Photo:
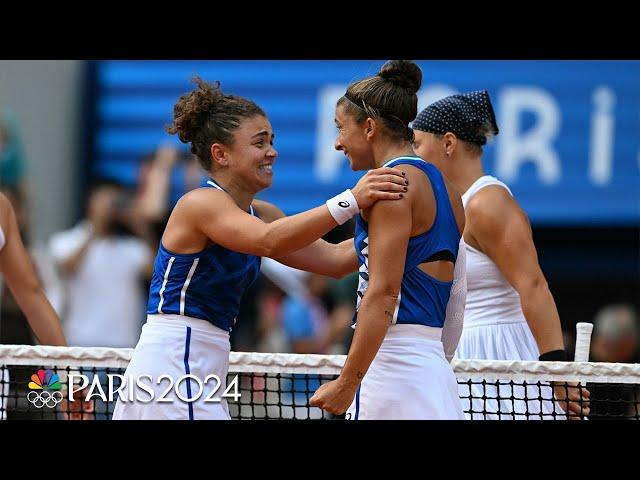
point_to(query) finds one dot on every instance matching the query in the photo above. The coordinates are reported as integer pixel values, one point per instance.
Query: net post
(583, 346)
(583, 341)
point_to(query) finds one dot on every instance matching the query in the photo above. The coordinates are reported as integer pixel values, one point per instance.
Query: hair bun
(404, 73)
(192, 110)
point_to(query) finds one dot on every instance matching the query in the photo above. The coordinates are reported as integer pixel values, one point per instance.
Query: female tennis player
(411, 292)
(211, 248)
(510, 313)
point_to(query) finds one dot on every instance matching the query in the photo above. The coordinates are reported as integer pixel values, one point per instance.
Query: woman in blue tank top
(210, 253)
(411, 292)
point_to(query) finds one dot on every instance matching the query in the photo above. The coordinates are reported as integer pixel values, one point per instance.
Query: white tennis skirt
(504, 341)
(175, 346)
(409, 379)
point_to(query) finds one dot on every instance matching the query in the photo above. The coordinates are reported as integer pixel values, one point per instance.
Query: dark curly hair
(206, 116)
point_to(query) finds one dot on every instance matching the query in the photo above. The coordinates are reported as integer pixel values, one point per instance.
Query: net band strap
(488, 370)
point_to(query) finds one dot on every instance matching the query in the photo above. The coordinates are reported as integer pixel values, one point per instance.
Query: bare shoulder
(412, 172)
(392, 212)
(267, 212)
(203, 200)
(418, 183)
(492, 207)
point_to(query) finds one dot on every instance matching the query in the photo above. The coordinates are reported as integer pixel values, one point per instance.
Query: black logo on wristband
(344, 204)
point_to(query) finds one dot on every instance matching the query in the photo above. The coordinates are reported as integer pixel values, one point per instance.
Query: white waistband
(173, 320)
(413, 331)
(490, 322)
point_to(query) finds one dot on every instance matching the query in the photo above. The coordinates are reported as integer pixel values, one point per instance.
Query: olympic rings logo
(40, 399)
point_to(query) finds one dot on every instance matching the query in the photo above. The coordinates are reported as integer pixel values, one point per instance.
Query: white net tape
(288, 363)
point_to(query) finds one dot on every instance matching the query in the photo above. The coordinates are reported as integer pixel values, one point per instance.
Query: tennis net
(34, 384)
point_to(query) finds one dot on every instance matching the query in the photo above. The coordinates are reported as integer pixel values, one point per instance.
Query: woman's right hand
(573, 399)
(380, 184)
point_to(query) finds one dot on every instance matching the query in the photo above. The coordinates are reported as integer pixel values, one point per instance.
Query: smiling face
(251, 156)
(352, 140)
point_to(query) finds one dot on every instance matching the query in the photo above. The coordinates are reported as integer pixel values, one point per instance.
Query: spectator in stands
(104, 265)
(342, 307)
(615, 339)
(269, 332)
(164, 176)
(309, 326)
(615, 334)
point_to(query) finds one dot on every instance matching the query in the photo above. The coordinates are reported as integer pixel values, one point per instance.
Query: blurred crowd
(96, 272)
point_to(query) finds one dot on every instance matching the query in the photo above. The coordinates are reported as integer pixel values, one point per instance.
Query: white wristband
(343, 206)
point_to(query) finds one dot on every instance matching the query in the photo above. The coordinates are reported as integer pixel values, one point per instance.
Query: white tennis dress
(495, 328)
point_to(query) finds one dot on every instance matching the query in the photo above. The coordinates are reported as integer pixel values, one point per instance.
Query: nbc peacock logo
(45, 389)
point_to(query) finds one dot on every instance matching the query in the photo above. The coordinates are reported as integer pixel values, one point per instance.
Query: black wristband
(554, 356)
